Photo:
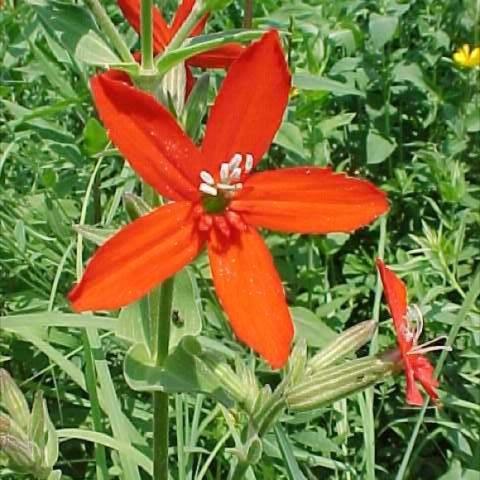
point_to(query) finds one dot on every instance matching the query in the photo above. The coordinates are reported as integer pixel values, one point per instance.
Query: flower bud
(21, 453)
(37, 427)
(338, 382)
(347, 342)
(10, 427)
(13, 399)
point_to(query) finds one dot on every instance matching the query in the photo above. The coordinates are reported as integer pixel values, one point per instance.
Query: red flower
(408, 323)
(163, 33)
(217, 200)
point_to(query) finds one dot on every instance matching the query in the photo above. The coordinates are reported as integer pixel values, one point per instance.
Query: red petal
(139, 257)
(149, 138)
(251, 293)
(161, 31)
(221, 57)
(396, 296)
(181, 15)
(414, 397)
(309, 200)
(250, 104)
(425, 374)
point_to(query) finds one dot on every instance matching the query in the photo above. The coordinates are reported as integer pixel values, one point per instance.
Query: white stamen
(207, 178)
(236, 174)
(224, 172)
(248, 162)
(230, 174)
(208, 189)
(225, 186)
(430, 347)
(414, 316)
(235, 162)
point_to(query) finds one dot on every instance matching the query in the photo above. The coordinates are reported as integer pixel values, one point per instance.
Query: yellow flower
(466, 58)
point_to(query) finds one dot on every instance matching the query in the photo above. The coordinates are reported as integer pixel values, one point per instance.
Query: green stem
(110, 30)
(91, 383)
(186, 28)
(90, 375)
(146, 38)
(467, 305)
(161, 334)
(368, 416)
(240, 471)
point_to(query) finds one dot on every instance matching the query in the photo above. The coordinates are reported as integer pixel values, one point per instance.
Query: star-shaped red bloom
(217, 199)
(163, 33)
(408, 325)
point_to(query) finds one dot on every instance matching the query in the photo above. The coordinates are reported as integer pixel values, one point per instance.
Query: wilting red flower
(217, 199)
(408, 323)
(163, 33)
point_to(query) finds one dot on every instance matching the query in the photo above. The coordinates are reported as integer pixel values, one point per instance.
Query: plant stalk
(146, 39)
(109, 29)
(186, 28)
(161, 333)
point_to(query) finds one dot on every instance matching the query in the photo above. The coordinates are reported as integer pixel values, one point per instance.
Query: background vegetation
(377, 95)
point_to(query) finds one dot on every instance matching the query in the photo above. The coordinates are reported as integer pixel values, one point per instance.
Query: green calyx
(215, 204)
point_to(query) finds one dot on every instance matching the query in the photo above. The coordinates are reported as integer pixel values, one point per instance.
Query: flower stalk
(196, 14)
(160, 321)
(110, 31)
(146, 37)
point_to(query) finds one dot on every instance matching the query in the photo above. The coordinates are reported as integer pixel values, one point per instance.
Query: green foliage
(376, 94)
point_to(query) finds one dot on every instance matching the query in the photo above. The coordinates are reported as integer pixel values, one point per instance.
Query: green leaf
(290, 137)
(123, 448)
(382, 29)
(181, 372)
(57, 319)
(92, 50)
(196, 107)
(54, 74)
(306, 81)
(329, 125)
(378, 147)
(204, 43)
(187, 316)
(286, 450)
(311, 328)
(95, 137)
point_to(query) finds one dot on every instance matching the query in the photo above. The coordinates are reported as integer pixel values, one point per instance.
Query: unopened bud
(347, 342)
(37, 428)
(10, 427)
(13, 399)
(297, 363)
(338, 382)
(21, 453)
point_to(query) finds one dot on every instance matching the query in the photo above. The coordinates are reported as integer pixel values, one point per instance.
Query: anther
(208, 189)
(248, 162)
(224, 172)
(207, 178)
(235, 161)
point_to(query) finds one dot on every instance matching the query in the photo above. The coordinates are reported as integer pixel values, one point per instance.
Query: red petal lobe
(250, 104)
(251, 293)
(149, 138)
(309, 200)
(136, 259)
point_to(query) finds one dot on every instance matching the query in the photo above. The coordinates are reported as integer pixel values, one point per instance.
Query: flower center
(217, 193)
(413, 330)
